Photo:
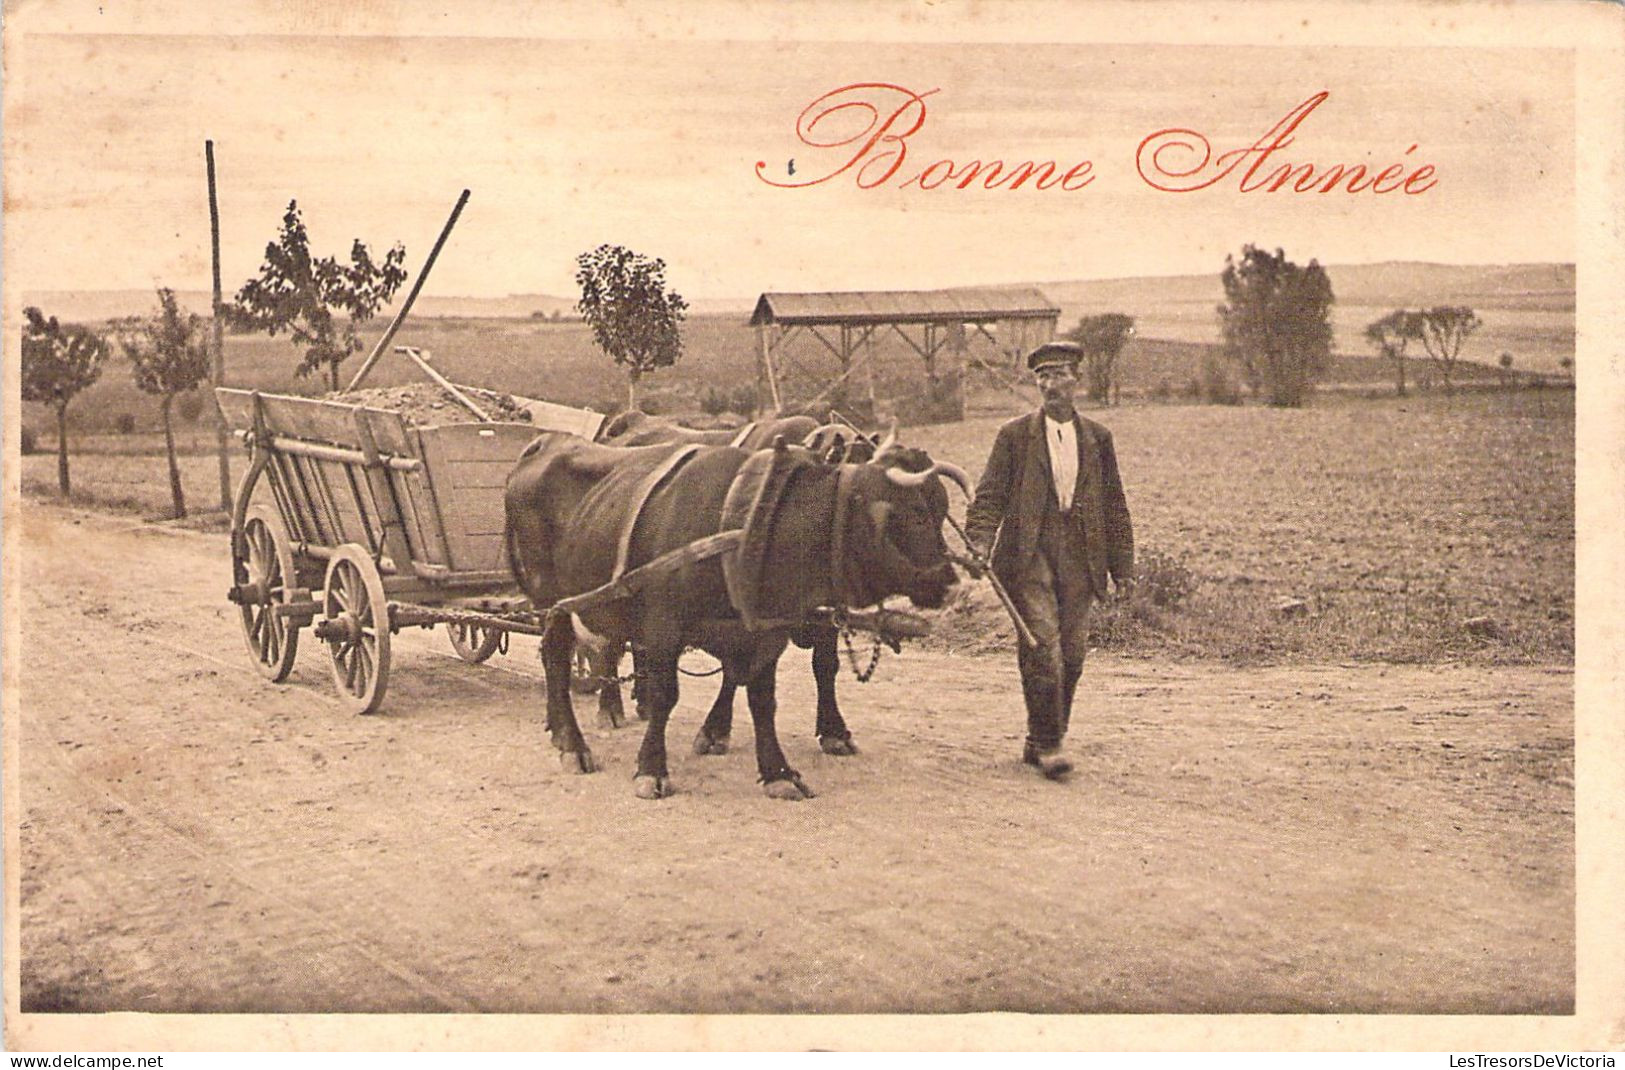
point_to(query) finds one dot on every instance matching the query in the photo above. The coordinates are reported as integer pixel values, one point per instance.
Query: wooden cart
(372, 525)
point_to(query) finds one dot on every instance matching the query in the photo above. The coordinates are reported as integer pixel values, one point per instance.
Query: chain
(634, 675)
(863, 675)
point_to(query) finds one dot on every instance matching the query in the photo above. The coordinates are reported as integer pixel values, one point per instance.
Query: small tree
(301, 295)
(169, 354)
(1442, 330)
(1506, 369)
(59, 360)
(1277, 325)
(634, 318)
(1390, 335)
(1102, 338)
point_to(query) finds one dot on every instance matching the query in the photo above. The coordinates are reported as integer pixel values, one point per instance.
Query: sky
(653, 144)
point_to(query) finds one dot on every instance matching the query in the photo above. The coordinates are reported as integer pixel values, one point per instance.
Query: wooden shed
(939, 326)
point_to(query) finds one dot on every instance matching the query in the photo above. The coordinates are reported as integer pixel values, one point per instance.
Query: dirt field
(1333, 838)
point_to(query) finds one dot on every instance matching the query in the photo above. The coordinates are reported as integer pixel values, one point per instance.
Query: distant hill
(1527, 309)
(1547, 287)
(98, 305)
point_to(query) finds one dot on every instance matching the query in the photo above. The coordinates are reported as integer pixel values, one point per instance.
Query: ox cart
(366, 524)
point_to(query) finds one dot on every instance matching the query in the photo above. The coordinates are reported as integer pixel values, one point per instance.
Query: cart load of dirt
(428, 405)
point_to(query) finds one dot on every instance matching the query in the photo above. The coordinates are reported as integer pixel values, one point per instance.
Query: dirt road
(1289, 839)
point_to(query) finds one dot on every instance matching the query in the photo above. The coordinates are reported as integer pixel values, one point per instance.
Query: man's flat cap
(1055, 353)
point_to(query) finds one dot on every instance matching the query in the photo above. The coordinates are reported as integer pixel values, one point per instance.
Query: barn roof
(903, 306)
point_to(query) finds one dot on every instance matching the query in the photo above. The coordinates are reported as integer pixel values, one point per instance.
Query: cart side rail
(341, 474)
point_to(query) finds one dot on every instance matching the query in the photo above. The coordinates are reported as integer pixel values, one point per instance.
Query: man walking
(1050, 505)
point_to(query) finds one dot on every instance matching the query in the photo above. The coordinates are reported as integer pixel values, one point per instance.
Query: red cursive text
(865, 128)
(1182, 161)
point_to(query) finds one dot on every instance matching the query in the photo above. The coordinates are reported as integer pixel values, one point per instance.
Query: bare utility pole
(219, 332)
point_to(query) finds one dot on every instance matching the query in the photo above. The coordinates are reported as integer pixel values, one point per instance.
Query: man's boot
(1043, 725)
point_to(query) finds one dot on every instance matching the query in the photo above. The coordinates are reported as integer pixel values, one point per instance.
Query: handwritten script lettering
(864, 131)
(1182, 161)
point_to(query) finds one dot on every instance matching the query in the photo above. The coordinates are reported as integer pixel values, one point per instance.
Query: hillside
(1527, 310)
(97, 305)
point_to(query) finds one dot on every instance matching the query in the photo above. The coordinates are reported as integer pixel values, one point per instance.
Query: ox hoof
(705, 744)
(577, 761)
(840, 746)
(652, 787)
(792, 790)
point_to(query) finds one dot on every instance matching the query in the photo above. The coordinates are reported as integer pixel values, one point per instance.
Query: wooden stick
(400, 317)
(444, 383)
(217, 340)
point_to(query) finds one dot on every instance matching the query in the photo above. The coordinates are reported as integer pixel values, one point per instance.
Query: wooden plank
(422, 527)
(385, 512)
(546, 416)
(480, 473)
(305, 484)
(236, 407)
(316, 420)
(342, 515)
(481, 552)
(390, 433)
(477, 511)
(478, 442)
(312, 421)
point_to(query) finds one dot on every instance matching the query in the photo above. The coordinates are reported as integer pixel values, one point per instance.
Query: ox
(581, 514)
(832, 443)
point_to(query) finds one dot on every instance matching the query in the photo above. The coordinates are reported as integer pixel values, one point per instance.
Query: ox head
(894, 542)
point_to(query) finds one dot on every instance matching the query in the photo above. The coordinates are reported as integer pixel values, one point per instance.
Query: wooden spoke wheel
(474, 642)
(355, 626)
(263, 568)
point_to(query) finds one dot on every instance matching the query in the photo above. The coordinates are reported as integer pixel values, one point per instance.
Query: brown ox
(832, 443)
(836, 535)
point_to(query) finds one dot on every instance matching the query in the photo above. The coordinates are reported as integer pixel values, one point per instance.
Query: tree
(59, 360)
(634, 318)
(301, 295)
(1442, 330)
(169, 354)
(1277, 324)
(1390, 335)
(1101, 338)
(1506, 369)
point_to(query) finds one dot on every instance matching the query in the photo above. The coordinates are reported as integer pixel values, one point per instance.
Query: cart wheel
(356, 627)
(262, 561)
(473, 642)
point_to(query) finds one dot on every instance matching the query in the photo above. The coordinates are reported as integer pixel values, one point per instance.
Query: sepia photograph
(725, 527)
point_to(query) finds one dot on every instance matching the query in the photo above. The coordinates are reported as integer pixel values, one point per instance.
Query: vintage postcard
(885, 525)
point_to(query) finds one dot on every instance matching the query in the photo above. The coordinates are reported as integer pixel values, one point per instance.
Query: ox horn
(914, 479)
(812, 436)
(890, 440)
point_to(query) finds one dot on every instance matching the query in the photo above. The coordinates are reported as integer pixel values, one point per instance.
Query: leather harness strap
(640, 498)
(838, 535)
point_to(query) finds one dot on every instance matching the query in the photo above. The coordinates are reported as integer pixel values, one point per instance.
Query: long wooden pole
(219, 331)
(406, 306)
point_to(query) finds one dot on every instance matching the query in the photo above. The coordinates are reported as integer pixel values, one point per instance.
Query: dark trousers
(1053, 595)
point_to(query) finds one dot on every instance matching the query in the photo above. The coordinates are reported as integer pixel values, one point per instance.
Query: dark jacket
(1017, 487)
